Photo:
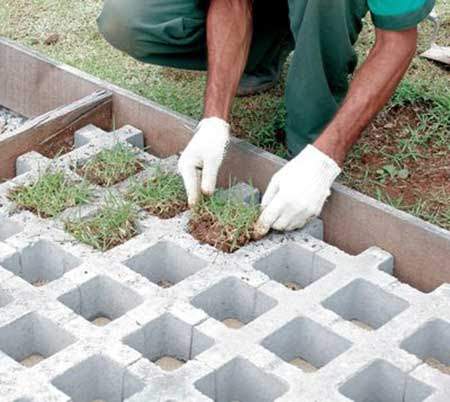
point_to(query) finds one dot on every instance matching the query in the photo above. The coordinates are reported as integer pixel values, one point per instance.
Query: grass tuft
(111, 166)
(51, 194)
(163, 195)
(226, 223)
(113, 225)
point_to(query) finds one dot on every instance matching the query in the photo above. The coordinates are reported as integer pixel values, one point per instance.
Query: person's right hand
(200, 161)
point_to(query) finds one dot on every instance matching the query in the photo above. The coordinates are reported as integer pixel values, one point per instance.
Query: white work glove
(205, 151)
(297, 192)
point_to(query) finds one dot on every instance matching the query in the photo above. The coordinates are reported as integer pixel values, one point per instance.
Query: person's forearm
(369, 91)
(229, 33)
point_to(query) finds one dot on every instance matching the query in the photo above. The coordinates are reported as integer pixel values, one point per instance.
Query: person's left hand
(297, 192)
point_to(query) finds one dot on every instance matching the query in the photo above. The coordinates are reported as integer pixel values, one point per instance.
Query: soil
(168, 363)
(428, 173)
(233, 323)
(303, 365)
(32, 360)
(164, 284)
(52, 39)
(438, 365)
(101, 321)
(166, 210)
(90, 174)
(57, 147)
(39, 283)
(206, 229)
(293, 286)
(361, 325)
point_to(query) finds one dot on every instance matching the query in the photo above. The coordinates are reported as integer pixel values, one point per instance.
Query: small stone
(52, 39)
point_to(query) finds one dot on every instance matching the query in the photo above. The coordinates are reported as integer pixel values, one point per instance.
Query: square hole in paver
(8, 228)
(101, 300)
(169, 342)
(233, 302)
(41, 262)
(365, 304)
(98, 379)
(383, 382)
(306, 344)
(33, 338)
(240, 380)
(165, 264)
(431, 343)
(293, 267)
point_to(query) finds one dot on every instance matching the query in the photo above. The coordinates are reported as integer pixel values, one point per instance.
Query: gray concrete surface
(287, 318)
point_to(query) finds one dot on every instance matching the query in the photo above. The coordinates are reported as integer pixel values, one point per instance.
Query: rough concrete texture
(9, 121)
(162, 318)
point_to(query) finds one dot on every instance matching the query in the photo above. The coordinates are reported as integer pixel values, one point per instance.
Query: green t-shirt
(398, 15)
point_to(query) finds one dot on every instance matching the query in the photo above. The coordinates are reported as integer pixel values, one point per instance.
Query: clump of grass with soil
(50, 194)
(162, 195)
(224, 222)
(111, 166)
(113, 225)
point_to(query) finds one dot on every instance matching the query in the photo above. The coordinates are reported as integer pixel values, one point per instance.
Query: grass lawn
(403, 159)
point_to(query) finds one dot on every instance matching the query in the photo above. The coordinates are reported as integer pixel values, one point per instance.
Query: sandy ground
(362, 325)
(233, 323)
(101, 321)
(169, 363)
(303, 365)
(438, 365)
(32, 360)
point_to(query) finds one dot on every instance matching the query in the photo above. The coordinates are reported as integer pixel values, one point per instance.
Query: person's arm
(298, 191)
(370, 90)
(229, 31)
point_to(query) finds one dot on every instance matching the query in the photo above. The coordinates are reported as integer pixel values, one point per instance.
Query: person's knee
(116, 24)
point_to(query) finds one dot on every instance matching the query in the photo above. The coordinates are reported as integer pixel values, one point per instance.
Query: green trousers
(321, 33)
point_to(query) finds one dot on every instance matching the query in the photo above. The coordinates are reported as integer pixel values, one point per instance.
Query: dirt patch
(32, 360)
(58, 147)
(206, 228)
(101, 321)
(438, 365)
(164, 284)
(233, 323)
(168, 363)
(303, 365)
(403, 159)
(361, 325)
(95, 173)
(294, 286)
(40, 283)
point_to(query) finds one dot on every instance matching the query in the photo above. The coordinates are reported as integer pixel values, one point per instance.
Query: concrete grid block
(163, 318)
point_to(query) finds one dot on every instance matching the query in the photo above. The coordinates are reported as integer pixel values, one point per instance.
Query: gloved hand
(205, 151)
(297, 192)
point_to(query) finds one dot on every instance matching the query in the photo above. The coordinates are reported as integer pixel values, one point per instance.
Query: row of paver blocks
(288, 318)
